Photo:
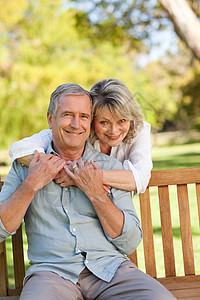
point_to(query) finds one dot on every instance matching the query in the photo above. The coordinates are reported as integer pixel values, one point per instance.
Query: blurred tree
(140, 19)
(40, 48)
(186, 23)
(43, 44)
(144, 24)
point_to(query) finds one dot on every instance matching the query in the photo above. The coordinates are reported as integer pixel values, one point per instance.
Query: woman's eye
(103, 122)
(122, 121)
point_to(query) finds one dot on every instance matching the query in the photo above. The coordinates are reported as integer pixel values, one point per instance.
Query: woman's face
(110, 130)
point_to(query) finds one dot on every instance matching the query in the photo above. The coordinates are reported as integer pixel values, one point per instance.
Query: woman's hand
(63, 179)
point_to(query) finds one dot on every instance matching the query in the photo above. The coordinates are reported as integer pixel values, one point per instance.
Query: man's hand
(86, 176)
(26, 160)
(63, 179)
(43, 171)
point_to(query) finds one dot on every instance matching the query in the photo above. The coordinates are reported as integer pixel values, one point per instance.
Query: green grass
(164, 157)
(176, 156)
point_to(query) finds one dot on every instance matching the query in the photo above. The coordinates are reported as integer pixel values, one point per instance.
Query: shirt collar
(87, 154)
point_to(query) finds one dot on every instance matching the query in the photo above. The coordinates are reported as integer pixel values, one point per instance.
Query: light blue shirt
(63, 231)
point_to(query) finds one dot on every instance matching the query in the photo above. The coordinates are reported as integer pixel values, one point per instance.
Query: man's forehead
(75, 102)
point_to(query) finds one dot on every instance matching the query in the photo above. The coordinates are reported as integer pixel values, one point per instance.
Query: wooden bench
(183, 287)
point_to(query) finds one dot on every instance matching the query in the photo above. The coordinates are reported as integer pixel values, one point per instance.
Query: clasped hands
(81, 174)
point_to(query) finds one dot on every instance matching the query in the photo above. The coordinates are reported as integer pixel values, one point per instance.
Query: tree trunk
(186, 23)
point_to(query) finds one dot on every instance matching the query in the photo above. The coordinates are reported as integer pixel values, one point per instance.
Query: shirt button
(78, 251)
(86, 261)
(74, 229)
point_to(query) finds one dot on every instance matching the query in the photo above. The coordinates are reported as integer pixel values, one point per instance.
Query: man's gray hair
(65, 89)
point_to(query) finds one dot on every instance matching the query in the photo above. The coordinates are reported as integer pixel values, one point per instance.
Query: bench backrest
(161, 179)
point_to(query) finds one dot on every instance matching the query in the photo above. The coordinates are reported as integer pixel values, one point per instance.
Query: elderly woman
(117, 130)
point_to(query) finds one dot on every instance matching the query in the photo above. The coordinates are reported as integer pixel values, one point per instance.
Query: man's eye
(85, 116)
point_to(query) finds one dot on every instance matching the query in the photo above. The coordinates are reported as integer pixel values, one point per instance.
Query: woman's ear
(49, 119)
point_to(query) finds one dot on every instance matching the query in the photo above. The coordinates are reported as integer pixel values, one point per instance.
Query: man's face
(71, 124)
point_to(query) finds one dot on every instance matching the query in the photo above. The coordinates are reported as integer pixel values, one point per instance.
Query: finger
(96, 167)
(87, 163)
(59, 165)
(74, 166)
(36, 156)
(47, 157)
(69, 173)
(106, 188)
(80, 163)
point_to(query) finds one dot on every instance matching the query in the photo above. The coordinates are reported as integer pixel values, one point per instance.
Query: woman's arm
(137, 165)
(26, 160)
(120, 179)
(27, 146)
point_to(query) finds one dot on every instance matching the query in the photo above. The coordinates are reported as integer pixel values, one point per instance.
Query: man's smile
(73, 133)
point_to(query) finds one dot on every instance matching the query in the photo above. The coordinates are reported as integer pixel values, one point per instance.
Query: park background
(152, 46)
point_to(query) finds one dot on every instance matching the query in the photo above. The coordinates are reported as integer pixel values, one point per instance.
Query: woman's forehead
(107, 111)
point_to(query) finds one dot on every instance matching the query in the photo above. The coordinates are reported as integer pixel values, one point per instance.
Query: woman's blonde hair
(114, 95)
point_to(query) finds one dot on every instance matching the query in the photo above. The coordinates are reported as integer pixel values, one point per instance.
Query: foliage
(40, 49)
(44, 43)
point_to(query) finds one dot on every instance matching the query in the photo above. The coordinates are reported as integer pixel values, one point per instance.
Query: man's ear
(49, 119)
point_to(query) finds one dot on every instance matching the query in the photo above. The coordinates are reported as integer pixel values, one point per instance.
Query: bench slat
(166, 227)
(149, 252)
(18, 257)
(175, 176)
(3, 270)
(198, 199)
(186, 232)
(133, 257)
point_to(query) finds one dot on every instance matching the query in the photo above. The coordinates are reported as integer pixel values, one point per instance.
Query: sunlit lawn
(165, 157)
(176, 156)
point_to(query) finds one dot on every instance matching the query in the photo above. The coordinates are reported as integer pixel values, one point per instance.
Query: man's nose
(75, 122)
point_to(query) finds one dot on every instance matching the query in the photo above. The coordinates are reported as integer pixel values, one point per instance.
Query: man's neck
(69, 154)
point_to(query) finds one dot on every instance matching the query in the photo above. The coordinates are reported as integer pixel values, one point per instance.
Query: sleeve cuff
(122, 242)
(4, 234)
(24, 153)
(127, 165)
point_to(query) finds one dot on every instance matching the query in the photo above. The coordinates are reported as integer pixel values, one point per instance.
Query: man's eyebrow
(67, 111)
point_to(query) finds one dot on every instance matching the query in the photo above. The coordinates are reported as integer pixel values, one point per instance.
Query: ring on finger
(75, 166)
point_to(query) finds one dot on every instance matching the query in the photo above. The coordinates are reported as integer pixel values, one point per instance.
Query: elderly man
(77, 235)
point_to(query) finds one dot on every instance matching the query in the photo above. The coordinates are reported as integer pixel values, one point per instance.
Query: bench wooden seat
(183, 287)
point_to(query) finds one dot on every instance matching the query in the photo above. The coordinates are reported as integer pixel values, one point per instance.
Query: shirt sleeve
(11, 183)
(131, 235)
(140, 162)
(38, 141)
